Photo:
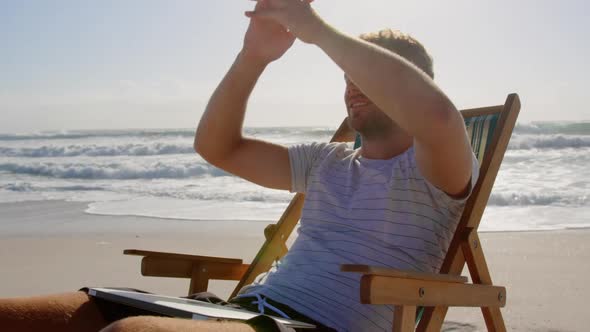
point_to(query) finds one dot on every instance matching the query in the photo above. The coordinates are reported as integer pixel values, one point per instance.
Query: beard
(376, 125)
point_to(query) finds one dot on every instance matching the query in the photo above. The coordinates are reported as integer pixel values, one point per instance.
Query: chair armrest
(137, 252)
(172, 265)
(402, 288)
(387, 272)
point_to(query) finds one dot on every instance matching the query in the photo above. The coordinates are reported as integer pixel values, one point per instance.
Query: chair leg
(199, 280)
(480, 274)
(404, 318)
(493, 319)
(432, 319)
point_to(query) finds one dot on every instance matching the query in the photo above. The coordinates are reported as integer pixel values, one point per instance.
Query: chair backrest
(489, 129)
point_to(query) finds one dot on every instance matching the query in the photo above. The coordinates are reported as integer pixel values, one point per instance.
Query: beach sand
(53, 246)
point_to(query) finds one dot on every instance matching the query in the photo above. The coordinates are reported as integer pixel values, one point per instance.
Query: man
(394, 202)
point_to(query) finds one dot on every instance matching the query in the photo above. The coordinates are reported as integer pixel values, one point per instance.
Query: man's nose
(352, 90)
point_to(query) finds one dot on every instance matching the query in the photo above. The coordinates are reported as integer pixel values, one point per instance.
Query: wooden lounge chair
(490, 129)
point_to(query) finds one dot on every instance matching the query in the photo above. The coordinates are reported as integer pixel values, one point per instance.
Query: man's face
(364, 116)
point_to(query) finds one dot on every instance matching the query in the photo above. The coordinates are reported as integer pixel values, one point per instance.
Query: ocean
(543, 184)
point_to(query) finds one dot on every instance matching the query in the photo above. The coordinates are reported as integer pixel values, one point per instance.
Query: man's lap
(74, 311)
(78, 311)
(113, 312)
(164, 324)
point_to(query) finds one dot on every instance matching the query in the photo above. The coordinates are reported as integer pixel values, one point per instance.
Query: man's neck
(386, 147)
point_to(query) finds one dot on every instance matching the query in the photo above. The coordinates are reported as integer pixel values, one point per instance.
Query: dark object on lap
(113, 311)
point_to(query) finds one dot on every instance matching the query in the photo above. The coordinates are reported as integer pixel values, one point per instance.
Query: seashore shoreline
(54, 246)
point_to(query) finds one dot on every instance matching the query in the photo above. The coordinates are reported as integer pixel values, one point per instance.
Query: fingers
(267, 5)
(260, 5)
(262, 13)
(273, 9)
(261, 1)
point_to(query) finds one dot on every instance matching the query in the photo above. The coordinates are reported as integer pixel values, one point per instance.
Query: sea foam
(114, 171)
(156, 173)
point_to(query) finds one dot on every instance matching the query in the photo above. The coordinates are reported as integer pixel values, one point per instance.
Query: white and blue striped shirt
(358, 211)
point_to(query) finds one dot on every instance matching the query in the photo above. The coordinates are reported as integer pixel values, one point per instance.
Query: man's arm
(413, 101)
(397, 87)
(219, 137)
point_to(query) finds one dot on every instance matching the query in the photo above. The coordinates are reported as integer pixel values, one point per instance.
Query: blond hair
(403, 45)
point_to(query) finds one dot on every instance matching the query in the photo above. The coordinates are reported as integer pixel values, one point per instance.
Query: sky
(112, 64)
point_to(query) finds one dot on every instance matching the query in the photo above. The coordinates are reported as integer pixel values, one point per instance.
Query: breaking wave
(28, 187)
(518, 142)
(98, 151)
(83, 134)
(536, 200)
(260, 196)
(118, 171)
(310, 132)
(527, 142)
(567, 128)
(184, 193)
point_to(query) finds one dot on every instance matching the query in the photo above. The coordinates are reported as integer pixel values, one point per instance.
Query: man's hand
(265, 40)
(296, 16)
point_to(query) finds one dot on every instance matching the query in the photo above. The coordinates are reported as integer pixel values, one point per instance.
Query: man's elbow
(206, 151)
(446, 117)
(216, 153)
(199, 144)
(445, 124)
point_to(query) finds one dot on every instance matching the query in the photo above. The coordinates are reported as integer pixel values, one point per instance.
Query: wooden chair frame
(405, 290)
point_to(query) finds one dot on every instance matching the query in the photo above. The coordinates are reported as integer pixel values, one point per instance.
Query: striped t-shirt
(358, 211)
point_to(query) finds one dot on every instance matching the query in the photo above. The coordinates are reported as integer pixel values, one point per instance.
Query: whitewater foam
(543, 183)
(560, 141)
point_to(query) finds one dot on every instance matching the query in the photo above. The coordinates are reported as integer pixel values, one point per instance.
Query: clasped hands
(296, 16)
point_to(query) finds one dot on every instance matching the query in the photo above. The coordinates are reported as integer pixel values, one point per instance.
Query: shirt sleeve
(302, 158)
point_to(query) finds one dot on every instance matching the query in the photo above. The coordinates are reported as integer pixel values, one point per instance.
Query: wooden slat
(493, 318)
(493, 159)
(432, 319)
(387, 272)
(272, 249)
(178, 268)
(222, 271)
(397, 291)
(473, 252)
(137, 252)
(480, 274)
(165, 267)
(473, 112)
(269, 232)
(404, 318)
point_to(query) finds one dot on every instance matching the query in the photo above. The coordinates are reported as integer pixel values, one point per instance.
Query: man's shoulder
(322, 151)
(335, 152)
